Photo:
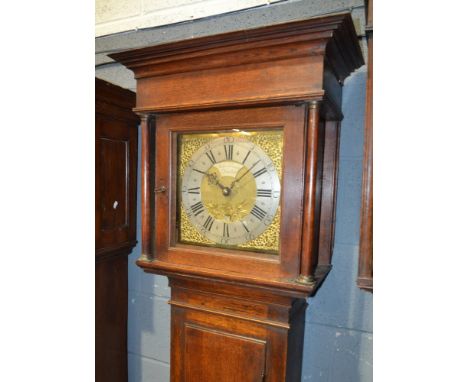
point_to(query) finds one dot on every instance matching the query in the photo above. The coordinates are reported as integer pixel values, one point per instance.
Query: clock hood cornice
(308, 48)
(334, 30)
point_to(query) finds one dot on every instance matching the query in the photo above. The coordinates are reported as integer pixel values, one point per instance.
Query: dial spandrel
(230, 190)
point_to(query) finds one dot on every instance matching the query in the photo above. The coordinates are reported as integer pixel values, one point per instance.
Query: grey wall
(338, 338)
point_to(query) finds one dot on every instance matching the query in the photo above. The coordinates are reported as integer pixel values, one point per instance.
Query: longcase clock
(240, 137)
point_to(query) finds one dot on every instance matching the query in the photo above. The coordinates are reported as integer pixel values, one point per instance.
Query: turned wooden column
(147, 136)
(311, 197)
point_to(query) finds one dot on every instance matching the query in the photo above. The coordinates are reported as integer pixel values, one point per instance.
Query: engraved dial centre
(225, 195)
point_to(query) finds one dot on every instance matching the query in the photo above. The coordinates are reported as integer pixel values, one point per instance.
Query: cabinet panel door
(113, 180)
(244, 357)
(116, 142)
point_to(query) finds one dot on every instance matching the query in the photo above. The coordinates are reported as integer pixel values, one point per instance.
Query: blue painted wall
(338, 337)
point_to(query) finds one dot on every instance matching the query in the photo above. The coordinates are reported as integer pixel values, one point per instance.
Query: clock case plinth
(293, 74)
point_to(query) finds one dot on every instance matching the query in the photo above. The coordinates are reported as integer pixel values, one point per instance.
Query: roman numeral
(211, 157)
(258, 212)
(243, 162)
(228, 150)
(194, 190)
(245, 227)
(226, 230)
(197, 208)
(260, 172)
(262, 193)
(208, 223)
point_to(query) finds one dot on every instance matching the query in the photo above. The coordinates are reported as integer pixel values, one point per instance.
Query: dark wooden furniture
(365, 271)
(115, 217)
(240, 315)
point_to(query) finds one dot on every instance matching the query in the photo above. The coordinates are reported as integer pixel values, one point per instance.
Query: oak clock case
(240, 138)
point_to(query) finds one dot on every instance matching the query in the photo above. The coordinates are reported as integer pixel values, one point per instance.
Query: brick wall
(113, 16)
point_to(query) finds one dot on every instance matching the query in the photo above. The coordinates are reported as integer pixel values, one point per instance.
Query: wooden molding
(286, 287)
(164, 58)
(205, 69)
(119, 249)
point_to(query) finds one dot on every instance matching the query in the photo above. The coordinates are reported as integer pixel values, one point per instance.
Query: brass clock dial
(230, 190)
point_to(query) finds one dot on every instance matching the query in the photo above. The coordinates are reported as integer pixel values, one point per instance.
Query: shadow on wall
(338, 334)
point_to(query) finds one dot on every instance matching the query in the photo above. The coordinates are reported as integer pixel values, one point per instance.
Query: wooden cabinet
(241, 218)
(115, 218)
(115, 168)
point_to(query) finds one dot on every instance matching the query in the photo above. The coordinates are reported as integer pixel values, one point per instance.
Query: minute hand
(245, 173)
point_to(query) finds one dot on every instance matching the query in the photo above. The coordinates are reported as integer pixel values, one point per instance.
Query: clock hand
(213, 177)
(245, 173)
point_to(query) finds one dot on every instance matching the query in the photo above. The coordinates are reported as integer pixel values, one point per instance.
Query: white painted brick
(187, 10)
(157, 5)
(110, 10)
(215, 7)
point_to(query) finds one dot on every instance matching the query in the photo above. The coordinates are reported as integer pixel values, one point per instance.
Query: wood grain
(311, 196)
(146, 191)
(329, 191)
(281, 62)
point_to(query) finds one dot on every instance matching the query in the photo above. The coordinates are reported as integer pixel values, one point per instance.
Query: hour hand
(214, 179)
